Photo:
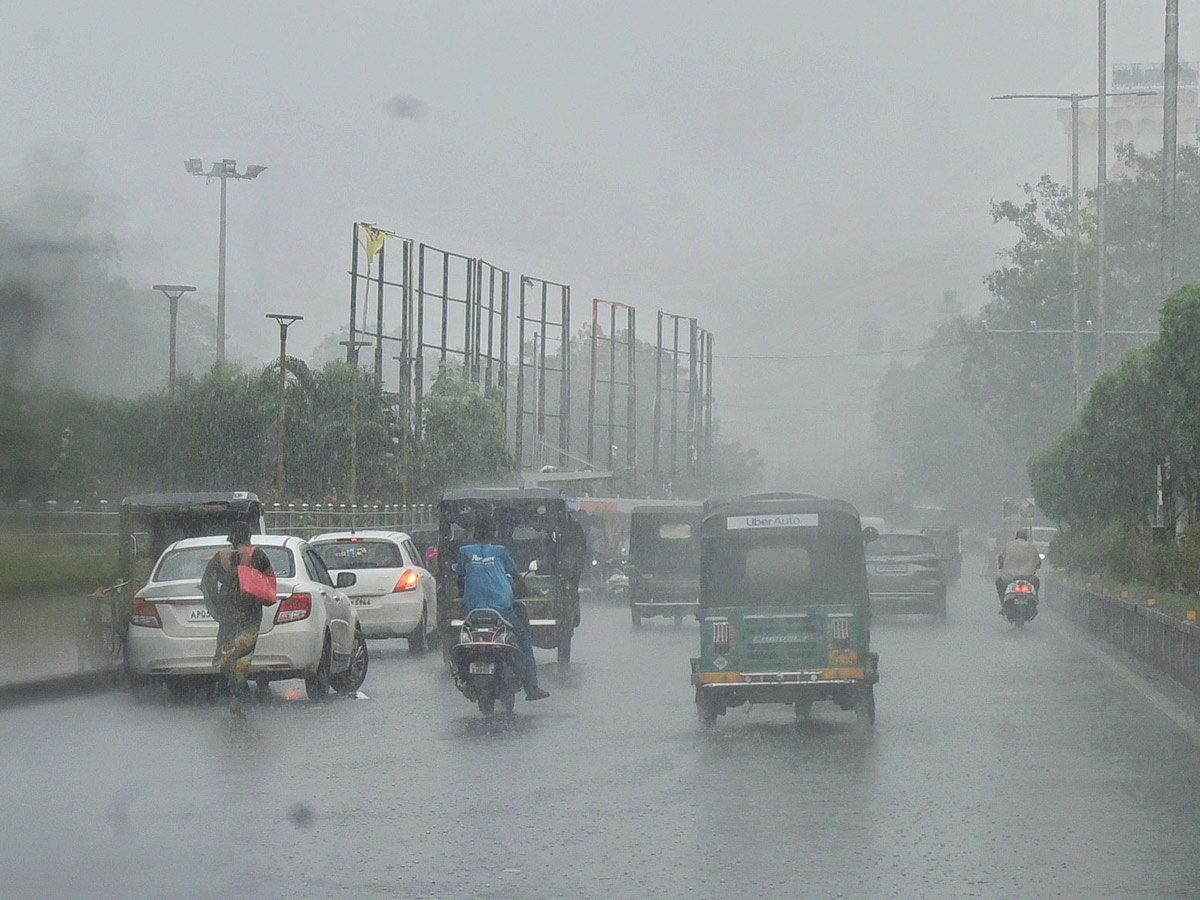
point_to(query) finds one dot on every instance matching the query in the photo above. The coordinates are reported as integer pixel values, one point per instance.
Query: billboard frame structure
(560, 294)
(629, 343)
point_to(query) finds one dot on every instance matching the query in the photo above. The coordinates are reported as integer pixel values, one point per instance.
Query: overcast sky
(779, 170)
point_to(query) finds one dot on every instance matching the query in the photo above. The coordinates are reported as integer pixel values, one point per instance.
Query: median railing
(1169, 644)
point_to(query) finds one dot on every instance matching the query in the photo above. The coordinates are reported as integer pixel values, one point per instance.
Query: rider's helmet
(1023, 534)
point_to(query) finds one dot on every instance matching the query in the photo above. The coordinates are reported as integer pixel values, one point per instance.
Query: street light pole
(284, 321)
(1074, 100)
(224, 170)
(173, 292)
(1101, 187)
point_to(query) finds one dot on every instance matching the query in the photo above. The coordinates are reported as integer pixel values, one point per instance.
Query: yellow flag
(372, 240)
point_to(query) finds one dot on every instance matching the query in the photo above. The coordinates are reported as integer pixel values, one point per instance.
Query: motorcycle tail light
(294, 609)
(408, 581)
(144, 614)
(1022, 588)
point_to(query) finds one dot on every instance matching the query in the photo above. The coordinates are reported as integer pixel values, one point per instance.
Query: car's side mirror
(870, 533)
(533, 566)
(346, 579)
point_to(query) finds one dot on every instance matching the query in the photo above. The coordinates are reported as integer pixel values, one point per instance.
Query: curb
(18, 694)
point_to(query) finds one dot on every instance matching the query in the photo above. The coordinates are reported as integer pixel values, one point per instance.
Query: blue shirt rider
(483, 569)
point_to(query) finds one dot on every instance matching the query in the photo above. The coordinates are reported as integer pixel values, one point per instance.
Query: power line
(920, 349)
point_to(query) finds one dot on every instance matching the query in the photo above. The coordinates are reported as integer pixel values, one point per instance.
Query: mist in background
(787, 173)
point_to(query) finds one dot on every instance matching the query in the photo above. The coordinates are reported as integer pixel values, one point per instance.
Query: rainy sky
(779, 170)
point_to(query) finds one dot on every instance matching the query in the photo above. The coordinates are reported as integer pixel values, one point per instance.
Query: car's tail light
(294, 608)
(722, 637)
(144, 614)
(408, 581)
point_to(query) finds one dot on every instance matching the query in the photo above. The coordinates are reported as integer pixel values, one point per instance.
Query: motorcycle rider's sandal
(536, 694)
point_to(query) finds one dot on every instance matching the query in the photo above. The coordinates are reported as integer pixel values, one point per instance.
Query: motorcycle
(1020, 602)
(487, 663)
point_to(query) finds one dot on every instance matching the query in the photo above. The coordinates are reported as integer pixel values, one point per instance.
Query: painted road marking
(1139, 683)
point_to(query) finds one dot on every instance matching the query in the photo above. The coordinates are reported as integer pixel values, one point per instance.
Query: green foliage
(464, 440)
(1125, 555)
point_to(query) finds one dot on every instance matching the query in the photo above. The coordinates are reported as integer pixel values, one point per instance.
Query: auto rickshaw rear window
(675, 531)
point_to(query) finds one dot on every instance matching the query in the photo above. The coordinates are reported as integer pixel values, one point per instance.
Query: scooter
(1020, 602)
(486, 662)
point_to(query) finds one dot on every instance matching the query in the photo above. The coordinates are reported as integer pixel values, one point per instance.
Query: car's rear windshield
(783, 571)
(361, 554)
(901, 545)
(187, 564)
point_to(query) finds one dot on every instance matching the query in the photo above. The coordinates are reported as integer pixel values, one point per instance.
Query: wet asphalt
(1001, 765)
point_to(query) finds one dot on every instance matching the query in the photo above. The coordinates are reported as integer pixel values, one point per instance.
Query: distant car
(394, 594)
(905, 575)
(312, 633)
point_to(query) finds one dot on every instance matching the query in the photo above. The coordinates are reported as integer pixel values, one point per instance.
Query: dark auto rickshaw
(784, 611)
(148, 523)
(664, 553)
(535, 525)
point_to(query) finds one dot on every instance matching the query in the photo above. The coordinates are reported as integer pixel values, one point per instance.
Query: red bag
(256, 586)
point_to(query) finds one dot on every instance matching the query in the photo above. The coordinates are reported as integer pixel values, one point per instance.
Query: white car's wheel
(356, 673)
(316, 685)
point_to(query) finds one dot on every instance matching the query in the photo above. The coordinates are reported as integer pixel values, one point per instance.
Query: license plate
(199, 615)
(360, 601)
(892, 569)
(482, 668)
(1021, 600)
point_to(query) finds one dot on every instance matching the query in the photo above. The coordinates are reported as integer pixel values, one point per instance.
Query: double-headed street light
(224, 170)
(1074, 100)
(173, 292)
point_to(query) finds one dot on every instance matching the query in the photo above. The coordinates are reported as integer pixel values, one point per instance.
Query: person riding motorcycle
(483, 570)
(1019, 559)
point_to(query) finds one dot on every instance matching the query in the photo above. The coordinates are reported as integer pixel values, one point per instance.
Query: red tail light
(294, 608)
(144, 614)
(1022, 588)
(408, 581)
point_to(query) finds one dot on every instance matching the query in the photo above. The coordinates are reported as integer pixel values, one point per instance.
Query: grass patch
(47, 560)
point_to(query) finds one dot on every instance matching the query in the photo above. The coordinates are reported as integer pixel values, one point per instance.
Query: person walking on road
(238, 617)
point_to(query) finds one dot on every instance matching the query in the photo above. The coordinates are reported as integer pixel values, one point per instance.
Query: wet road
(1002, 765)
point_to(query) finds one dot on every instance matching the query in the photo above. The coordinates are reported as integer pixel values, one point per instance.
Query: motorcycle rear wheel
(487, 705)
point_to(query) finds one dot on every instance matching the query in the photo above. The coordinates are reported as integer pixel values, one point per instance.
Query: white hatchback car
(394, 594)
(311, 633)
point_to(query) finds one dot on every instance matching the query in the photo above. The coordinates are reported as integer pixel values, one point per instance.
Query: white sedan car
(312, 633)
(394, 594)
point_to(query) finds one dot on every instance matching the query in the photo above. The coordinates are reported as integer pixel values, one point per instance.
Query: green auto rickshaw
(784, 611)
(664, 557)
(548, 546)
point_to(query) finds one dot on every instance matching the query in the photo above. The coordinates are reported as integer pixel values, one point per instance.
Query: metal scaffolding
(549, 339)
(687, 445)
(623, 344)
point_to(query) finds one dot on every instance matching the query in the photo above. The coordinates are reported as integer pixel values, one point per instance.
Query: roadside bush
(1130, 555)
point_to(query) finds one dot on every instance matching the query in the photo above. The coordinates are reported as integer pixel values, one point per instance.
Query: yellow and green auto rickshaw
(784, 611)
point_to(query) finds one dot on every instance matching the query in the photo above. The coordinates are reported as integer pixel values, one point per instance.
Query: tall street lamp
(284, 321)
(1074, 100)
(224, 170)
(173, 292)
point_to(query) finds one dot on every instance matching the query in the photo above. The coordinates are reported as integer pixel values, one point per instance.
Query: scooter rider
(1019, 559)
(483, 569)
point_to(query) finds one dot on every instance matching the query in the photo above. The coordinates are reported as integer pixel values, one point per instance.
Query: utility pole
(224, 170)
(352, 348)
(1170, 126)
(284, 321)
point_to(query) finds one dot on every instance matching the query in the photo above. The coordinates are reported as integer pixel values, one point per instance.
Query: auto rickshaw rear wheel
(509, 701)
(635, 616)
(707, 711)
(864, 708)
(803, 708)
(564, 651)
